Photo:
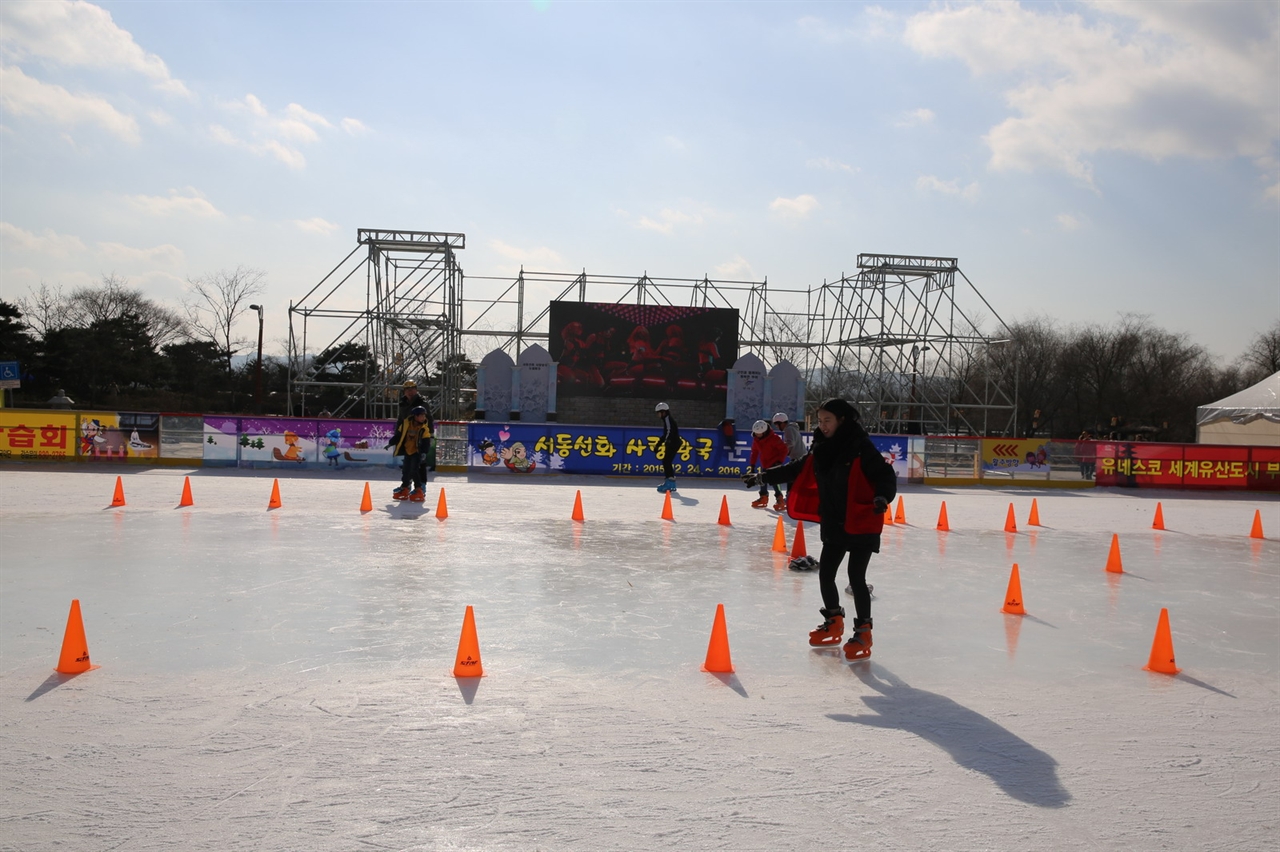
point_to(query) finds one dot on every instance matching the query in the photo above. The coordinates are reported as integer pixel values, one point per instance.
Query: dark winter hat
(416, 410)
(840, 409)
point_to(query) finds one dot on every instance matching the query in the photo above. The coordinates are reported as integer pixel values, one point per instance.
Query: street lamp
(257, 379)
(915, 427)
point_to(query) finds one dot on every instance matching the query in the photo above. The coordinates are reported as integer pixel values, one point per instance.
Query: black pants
(829, 563)
(668, 465)
(413, 468)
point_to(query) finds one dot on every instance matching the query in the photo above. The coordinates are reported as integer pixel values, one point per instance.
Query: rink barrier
(290, 443)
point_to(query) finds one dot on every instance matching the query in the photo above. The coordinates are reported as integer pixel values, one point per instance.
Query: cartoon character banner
(516, 448)
(37, 434)
(1013, 456)
(677, 352)
(296, 442)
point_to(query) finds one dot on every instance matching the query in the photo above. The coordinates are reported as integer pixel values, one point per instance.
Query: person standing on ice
(670, 444)
(411, 439)
(844, 485)
(768, 450)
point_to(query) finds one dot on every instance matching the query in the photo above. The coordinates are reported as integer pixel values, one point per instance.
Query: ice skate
(666, 485)
(760, 503)
(671, 485)
(401, 493)
(417, 495)
(859, 645)
(780, 504)
(831, 630)
(870, 589)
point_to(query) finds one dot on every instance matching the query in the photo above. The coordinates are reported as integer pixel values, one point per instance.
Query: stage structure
(902, 338)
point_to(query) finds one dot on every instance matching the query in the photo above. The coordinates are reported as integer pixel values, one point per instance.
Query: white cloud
(877, 22)
(354, 126)
(737, 269)
(794, 208)
(831, 165)
(316, 225)
(23, 95)
(192, 203)
(932, 183)
(1069, 222)
(278, 135)
(915, 118)
(14, 238)
(668, 220)
(159, 117)
(1159, 80)
(77, 34)
(169, 255)
(534, 258)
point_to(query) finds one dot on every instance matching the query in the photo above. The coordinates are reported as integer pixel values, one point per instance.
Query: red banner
(1143, 465)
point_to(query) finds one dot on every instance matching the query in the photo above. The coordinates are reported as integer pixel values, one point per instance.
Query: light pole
(914, 427)
(257, 378)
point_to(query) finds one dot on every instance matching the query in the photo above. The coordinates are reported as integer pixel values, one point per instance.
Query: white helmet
(781, 417)
(662, 406)
(759, 427)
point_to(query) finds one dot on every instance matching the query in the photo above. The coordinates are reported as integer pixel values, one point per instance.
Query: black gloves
(881, 504)
(751, 479)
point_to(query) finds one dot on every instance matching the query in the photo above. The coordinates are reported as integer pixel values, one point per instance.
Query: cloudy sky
(1081, 160)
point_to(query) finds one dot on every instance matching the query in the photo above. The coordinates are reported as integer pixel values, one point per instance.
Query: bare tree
(49, 309)
(1261, 358)
(45, 310)
(217, 300)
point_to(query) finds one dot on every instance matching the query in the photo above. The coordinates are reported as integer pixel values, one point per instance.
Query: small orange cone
(724, 513)
(942, 518)
(274, 502)
(900, 516)
(577, 507)
(366, 502)
(1162, 648)
(718, 648)
(888, 516)
(74, 658)
(1114, 565)
(779, 538)
(1013, 596)
(1010, 523)
(1033, 520)
(442, 506)
(797, 543)
(468, 663)
(666, 509)
(186, 500)
(117, 499)
(1158, 523)
(1256, 532)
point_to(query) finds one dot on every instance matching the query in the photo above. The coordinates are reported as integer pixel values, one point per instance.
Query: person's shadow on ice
(975, 742)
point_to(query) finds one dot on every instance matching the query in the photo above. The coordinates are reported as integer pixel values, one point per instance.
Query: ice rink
(282, 680)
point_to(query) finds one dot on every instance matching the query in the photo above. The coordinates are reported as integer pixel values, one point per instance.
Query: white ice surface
(282, 680)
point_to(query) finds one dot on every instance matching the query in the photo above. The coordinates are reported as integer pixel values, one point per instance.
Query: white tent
(1251, 416)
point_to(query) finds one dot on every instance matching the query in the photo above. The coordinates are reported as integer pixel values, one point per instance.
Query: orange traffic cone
(888, 516)
(366, 502)
(1013, 596)
(467, 663)
(666, 509)
(74, 658)
(797, 543)
(1114, 565)
(718, 648)
(1010, 523)
(442, 506)
(942, 518)
(724, 512)
(779, 538)
(900, 516)
(1256, 532)
(274, 502)
(1158, 523)
(577, 507)
(1033, 520)
(117, 499)
(186, 500)
(1162, 648)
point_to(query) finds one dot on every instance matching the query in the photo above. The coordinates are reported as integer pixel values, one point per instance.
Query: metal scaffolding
(902, 338)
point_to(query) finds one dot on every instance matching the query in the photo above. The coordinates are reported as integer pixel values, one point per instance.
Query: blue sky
(1081, 160)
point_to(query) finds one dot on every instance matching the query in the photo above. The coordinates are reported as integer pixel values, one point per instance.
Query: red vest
(860, 516)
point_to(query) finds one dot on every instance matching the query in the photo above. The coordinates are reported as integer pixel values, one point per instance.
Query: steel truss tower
(896, 340)
(408, 325)
(902, 338)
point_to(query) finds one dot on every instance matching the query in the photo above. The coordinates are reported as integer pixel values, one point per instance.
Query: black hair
(840, 409)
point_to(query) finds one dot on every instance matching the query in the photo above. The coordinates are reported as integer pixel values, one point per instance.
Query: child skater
(845, 485)
(769, 450)
(411, 440)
